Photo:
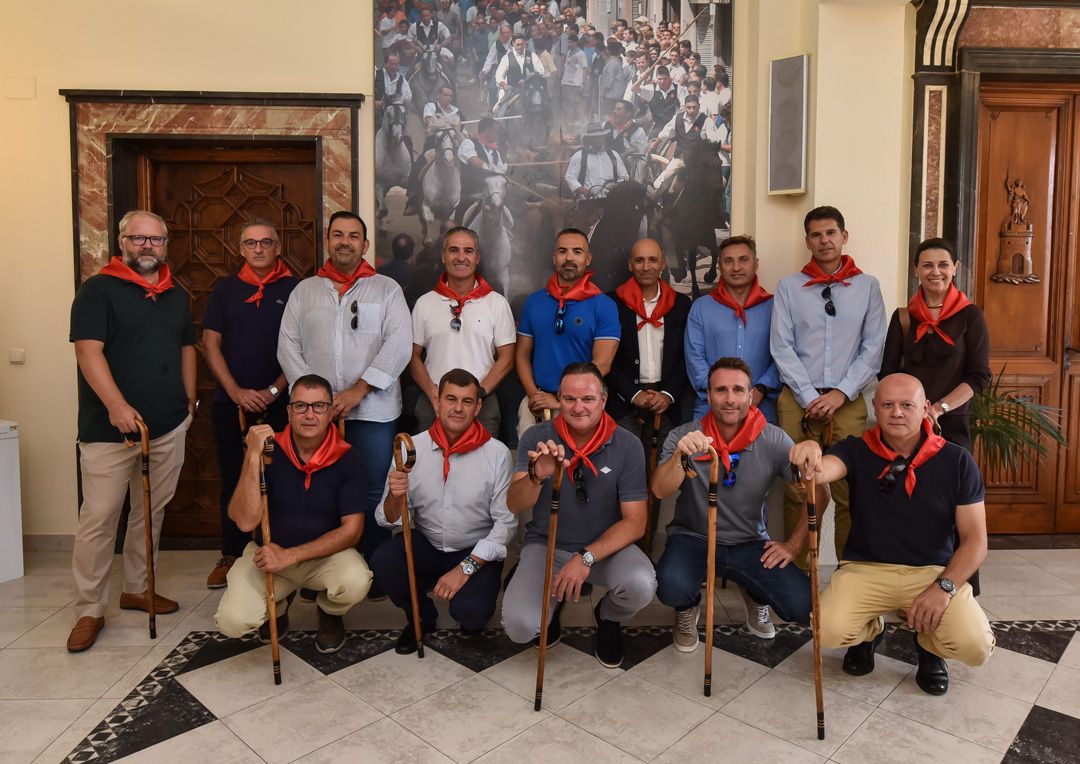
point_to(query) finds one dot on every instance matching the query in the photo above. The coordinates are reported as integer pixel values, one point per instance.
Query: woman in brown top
(946, 346)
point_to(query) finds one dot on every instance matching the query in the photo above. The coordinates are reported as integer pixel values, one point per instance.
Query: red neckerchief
(600, 437)
(930, 446)
(582, 290)
(470, 440)
(344, 282)
(442, 286)
(847, 270)
(954, 302)
(723, 296)
(117, 268)
(630, 295)
(248, 276)
(332, 448)
(752, 426)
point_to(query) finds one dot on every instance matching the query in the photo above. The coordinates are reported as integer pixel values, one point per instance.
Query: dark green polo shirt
(143, 340)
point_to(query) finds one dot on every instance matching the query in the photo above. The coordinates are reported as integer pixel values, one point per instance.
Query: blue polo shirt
(299, 515)
(249, 334)
(586, 321)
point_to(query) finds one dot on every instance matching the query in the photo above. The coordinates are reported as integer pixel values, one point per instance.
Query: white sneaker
(685, 634)
(757, 618)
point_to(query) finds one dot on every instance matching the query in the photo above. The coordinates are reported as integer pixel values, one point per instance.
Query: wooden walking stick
(271, 600)
(710, 565)
(243, 421)
(810, 486)
(553, 528)
(148, 521)
(654, 503)
(406, 534)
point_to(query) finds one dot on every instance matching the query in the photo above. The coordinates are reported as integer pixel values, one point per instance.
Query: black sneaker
(859, 659)
(609, 641)
(554, 630)
(331, 634)
(932, 675)
(282, 623)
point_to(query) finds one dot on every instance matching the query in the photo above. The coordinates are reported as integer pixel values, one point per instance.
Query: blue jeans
(681, 571)
(375, 442)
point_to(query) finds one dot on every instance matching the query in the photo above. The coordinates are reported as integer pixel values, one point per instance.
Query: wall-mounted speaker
(788, 99)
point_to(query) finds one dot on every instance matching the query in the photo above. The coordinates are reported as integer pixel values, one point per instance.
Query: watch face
(947, 585)
(468, 568)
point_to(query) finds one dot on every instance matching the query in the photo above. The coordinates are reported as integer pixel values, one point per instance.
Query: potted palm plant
(1007, 429)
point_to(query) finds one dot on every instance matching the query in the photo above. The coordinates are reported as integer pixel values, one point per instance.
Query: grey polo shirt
(741, 508)
(468, 509)
(620, 464)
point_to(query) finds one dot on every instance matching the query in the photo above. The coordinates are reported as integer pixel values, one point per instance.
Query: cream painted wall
(243, 45)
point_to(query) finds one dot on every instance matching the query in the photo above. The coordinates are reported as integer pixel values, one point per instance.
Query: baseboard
(48, 542)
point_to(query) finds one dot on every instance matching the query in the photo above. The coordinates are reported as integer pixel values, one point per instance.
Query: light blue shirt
(813, 349)
(714, 331)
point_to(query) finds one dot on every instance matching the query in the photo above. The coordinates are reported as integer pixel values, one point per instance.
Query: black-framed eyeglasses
(455, 310)
(578, 478)
(138, 239)
(355, 315)
(560, 323)
(826, 295)
(301, 407)
(252, 243)
(729, 476)
(897, 467)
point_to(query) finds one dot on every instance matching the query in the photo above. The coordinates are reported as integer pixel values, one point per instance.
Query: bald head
(901, 407)
(647, 264)
(900, 386)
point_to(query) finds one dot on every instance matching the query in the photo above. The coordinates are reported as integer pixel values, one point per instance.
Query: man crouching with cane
(909, 490)
(317, 494)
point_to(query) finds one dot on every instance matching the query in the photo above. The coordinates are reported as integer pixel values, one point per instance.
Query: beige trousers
(108, 470)
(861, 592)
(342, 579)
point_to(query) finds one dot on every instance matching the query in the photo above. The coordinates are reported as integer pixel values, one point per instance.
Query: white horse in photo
(440, 186)
(393, 157)
(493, 224)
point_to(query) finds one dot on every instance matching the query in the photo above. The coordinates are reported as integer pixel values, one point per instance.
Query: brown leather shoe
(162, 605)
(84, 633)
(218, 578)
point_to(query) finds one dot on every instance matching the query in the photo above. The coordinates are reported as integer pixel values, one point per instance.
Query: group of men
(600, 372)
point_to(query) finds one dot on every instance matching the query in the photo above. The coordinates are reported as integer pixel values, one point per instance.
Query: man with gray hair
(135, 348)
(240, 332)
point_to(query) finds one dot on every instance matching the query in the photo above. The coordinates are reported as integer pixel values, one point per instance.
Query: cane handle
(410, 453)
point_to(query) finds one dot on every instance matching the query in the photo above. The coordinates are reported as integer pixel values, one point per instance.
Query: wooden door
(206, 193)
(1025, 280)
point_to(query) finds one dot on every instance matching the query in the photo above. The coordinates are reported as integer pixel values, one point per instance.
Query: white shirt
(650, 346)
(496, 162)
(391, 87)
(493, 59)
(386, 27)
(441, 32)
(486, 324)
(574, 68)
(442, 119)
(316, 337)
(669, 129)
(504, 65)
(710, 102)
(468, 510)
(598, 171)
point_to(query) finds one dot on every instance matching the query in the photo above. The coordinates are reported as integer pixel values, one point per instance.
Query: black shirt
(891, 527)
(143, 340)
(249, 334)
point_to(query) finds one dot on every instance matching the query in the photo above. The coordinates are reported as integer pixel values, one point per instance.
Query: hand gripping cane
(810, 486)
(710, 566)
(271, 600)
(553, 528)
(406, 534)
(654, 503)
(148, 520)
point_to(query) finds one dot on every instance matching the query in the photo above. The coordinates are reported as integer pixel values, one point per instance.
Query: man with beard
(351, 326)
(135, 348)
(568, 321)
(461, 526)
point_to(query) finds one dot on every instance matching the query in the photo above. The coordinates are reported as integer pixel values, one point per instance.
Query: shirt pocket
(368, 318)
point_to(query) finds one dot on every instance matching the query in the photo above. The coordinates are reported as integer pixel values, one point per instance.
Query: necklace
(935, 306)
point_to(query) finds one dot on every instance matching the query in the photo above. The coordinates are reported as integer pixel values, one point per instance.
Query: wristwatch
(483, 392)
(469, 566)
(944, 407)
(274, 390)
(947, 586)
(587, 557)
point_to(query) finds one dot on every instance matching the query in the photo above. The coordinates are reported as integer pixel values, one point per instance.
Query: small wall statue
(1014, 265)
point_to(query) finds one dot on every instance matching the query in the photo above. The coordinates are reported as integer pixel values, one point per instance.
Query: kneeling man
(910, 489)
(752, 454)
(457, 493)
(317, 494)
(603, 505)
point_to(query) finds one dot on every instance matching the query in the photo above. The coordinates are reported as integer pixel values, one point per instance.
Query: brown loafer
(162, 605)
(219, 576)
(84, 634)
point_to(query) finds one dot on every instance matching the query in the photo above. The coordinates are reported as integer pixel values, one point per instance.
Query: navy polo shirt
(596, 318)
(249, 334)
(894, 528)
(299, 515)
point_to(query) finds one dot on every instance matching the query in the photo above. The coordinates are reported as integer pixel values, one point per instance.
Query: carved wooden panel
(1068, 520)
(205, 198)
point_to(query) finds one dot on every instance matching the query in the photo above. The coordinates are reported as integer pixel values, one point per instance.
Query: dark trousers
(681, 571)
(472, 606)
(225, 419)
(375, 441)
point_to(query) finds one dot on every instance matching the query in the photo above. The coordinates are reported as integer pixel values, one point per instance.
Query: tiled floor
(193, 695)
